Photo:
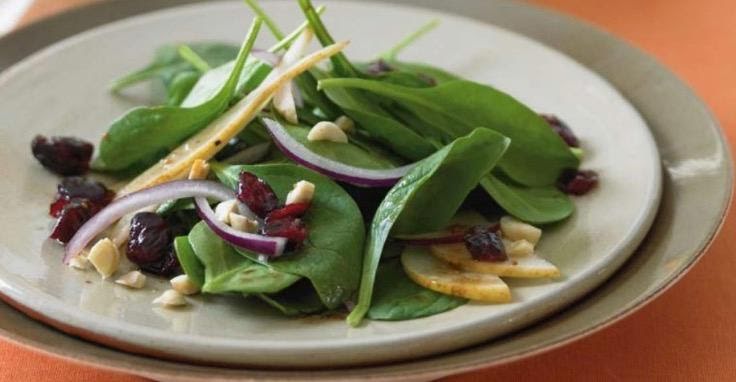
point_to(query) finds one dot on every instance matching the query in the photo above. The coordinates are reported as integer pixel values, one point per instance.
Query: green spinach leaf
(426, 199)
(396, 297)
(537, 155)
(188, 260)
(145, 134)
(225, 270)
(295, 300)
(331, 256)
(538, 205)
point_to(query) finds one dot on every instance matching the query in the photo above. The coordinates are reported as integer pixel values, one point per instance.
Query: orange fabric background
(686, 334)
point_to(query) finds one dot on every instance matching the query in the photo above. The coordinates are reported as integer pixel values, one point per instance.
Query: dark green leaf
(538, 205)
(537, 155)
(396, 297)
(145, 134)
(295, 300)
(426, 199)
(188, 260)
(331, 256)
(225, 270)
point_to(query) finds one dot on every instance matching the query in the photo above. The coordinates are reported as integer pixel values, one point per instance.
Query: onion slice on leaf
(339, 171)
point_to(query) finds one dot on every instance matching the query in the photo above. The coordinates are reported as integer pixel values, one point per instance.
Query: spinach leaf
(331, 256)
(426, 199)
(295, 300)
(188, 260)
(253, 73)
(538, 205)
(225, 270)
(365, 155)
(180, 87)
(169, 67)
(144, 134)
(396, 297)
(537, 155)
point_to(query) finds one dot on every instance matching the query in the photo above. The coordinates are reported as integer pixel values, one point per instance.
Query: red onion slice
(339, 171)
(138, 200)
(269, 246)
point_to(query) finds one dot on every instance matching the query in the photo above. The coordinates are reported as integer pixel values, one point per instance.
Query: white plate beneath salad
(62, 90)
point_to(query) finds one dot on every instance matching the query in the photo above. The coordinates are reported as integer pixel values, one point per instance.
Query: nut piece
(200, 169)
(303, 192)
(327, 131)
(184, 285)
(134, 279)
(105, 257)
(520, 248)
(345, 123)
(223, 210)
(79, 262)
(242, 223)
(515, 230)
(170, 298)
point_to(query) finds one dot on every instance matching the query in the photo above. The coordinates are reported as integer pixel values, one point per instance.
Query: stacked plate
(656, 146)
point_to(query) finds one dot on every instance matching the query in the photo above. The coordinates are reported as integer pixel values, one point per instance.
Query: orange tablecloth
(686, 334)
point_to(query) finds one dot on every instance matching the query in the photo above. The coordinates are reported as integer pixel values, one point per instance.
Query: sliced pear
(531, 266)
(431, 273)
(205, 144)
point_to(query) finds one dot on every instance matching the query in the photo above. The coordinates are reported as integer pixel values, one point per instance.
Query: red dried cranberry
(485, 244)
(149, 240)
(578, 182)
(167, 266)
(62, 155)
(294, 210)
(256, 194)
(290, 228)
(74, 214)
(562, 130)
(379, 67)
(80, 188)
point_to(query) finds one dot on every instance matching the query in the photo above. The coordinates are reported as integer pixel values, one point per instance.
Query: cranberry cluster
(63, 155)
(278, 220)
(77, 200)
(573, 182)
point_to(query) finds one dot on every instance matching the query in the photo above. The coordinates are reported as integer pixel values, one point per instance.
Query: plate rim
(628, 308)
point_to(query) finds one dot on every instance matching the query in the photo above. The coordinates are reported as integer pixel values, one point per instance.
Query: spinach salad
(387, 190)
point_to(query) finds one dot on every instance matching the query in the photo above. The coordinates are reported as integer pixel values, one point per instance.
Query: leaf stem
(342, 65)
(256, 8)
(190, 56)
(391, 54)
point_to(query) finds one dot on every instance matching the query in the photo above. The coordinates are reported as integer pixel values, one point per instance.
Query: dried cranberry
(167, 266)
(72, 216)
(80, 188)
(378, 67)
(62, 155)
(577, 182)
(562, 130)
(256, 194)
(485, 244)
(293, 210)
(290, 228)
(149, 240)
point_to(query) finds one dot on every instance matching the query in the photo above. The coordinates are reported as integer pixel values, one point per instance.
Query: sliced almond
(531, 266)
(170, 298)
(224, 209)
(105, 257)
(79, 262)
(134, 279)
(200, 170)
(434, 274)
(519, 248)
(242, 223)
(303, 192)
(327, 131)
(345, 123)
(184, 285)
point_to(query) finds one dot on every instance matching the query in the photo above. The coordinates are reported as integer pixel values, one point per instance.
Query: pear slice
(431, 273)
(209, 141)
(531, 266)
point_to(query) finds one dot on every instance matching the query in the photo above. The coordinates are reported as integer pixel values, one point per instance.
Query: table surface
(687, 333)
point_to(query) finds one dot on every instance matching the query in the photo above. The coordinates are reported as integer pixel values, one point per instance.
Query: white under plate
(62, 91)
